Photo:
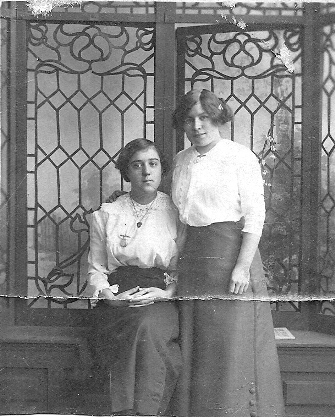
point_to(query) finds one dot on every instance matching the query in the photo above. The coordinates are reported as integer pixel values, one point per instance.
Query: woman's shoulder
(164, 198)
(182, 155)
(165, 201)
(240, 152)
(115, 206)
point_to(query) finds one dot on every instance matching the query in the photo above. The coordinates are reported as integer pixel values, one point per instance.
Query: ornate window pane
(327, 186)
(244, 69)
(90, 91)
(259, 8)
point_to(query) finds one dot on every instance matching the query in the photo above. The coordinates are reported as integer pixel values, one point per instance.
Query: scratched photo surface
(80, 80)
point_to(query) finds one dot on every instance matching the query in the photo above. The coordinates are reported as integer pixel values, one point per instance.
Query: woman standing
(231, 363)
(133, 253)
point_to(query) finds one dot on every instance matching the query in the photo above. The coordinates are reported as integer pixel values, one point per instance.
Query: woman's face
(145, 172)
(200, 129)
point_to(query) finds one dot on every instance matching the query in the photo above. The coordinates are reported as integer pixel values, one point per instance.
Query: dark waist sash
(128, 277)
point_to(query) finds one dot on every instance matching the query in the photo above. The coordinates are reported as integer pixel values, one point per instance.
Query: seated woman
(133, 253)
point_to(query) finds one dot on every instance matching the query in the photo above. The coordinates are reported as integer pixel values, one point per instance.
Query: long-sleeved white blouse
(223, 184)
(154, 244)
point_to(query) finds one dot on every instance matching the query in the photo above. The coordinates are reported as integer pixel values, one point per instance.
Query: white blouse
(224, 184)
(154, 244)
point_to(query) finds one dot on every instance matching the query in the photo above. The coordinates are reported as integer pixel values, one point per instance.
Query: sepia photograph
(167, 208)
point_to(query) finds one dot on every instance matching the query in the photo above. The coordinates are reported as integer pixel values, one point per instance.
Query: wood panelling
(50, 370)
(23, 390)
(310, 392)
(42, 368)
(307, 366)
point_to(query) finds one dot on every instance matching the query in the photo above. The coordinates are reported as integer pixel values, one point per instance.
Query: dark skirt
(138, 347)
(230, 359)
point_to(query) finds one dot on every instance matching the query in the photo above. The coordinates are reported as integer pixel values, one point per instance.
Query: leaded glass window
(90, 91)
(327, 180)
(244, 69)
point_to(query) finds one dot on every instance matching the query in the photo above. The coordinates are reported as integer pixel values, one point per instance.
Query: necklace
(124, 237)
(138, 214)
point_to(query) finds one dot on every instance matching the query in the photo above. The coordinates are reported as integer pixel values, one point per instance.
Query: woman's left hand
(240, 278)
(148, 295)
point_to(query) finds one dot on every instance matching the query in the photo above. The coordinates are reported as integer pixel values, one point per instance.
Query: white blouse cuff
(254, 224)
(252, 229)
(114, 288)
(95, 297)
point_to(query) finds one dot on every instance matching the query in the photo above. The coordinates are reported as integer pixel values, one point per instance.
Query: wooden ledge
(307, 339)
(52, 335)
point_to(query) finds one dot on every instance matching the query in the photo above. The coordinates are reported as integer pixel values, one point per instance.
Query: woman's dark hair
(216, 108)
(122, 163)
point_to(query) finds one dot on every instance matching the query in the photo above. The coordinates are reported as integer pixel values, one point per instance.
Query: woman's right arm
(97, 258)
(251, 190)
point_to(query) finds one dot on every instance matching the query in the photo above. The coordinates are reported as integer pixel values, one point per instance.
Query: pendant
(123, 242)
(139, 224)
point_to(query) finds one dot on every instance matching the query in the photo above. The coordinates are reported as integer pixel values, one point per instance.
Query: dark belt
(128, 277)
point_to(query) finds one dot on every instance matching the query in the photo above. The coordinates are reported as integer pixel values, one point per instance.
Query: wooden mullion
(311, 132)
(5, 169)
(321, 322)
(247, 19)
(91, 17)
(18, 161)
(181, 46)
(23, 13)
(165, 52)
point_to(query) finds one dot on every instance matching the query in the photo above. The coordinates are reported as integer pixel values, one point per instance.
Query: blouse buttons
(252, 390)
(252, 402)
(199, 158)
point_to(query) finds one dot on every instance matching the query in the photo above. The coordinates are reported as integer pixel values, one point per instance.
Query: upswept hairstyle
(216, 108)
(122, 163)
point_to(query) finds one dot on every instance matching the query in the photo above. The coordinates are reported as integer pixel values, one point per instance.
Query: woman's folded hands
(149, 295)
(135, 296)
(119, 300)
